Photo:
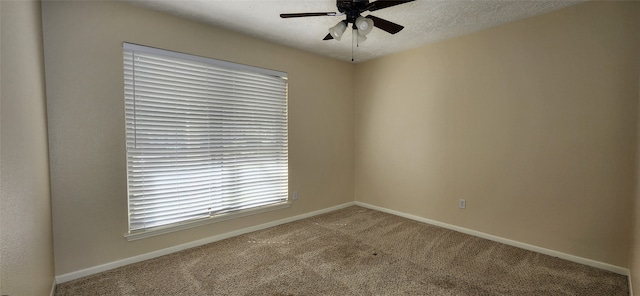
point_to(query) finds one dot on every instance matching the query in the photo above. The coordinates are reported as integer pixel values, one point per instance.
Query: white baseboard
(585, 261)
(112, 265)
(630, 285)
(53, 288)
(139, 258)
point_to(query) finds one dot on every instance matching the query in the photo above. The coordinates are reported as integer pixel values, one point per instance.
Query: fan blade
(328, 37)
(288, 15)
(385, 24)
(380, 4)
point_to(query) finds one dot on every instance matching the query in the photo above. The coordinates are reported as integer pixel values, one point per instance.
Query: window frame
(157, 230)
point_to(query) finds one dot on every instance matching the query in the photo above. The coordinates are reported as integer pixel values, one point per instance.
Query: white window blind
(204, 137)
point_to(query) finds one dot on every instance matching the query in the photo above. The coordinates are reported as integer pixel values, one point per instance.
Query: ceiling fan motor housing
(352, 8)
(348, 5)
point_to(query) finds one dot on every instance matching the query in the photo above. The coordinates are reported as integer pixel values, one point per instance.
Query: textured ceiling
(425, 21)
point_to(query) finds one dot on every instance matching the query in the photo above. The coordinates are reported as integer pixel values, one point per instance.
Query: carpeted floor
(353, 251)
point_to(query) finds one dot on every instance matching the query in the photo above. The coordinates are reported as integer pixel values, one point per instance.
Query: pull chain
(354, 41)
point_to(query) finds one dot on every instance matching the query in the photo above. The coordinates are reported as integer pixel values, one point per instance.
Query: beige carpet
(353, 251)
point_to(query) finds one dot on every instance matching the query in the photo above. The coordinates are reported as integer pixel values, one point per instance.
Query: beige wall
(533, 123)
(83, 58)
(26, 244)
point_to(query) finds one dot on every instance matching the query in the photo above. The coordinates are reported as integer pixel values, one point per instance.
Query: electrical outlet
(295, 195)
(462, 203)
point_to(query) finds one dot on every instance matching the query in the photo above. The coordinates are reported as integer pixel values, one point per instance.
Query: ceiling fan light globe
(361, 38)
(364, 25)
(337, 30)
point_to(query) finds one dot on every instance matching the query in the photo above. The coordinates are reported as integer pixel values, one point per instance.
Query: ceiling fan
(353, 9)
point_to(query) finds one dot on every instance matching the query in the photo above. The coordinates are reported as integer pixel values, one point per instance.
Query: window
(206, 139)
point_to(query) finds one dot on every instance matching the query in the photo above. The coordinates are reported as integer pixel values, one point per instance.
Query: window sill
(196, 223)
